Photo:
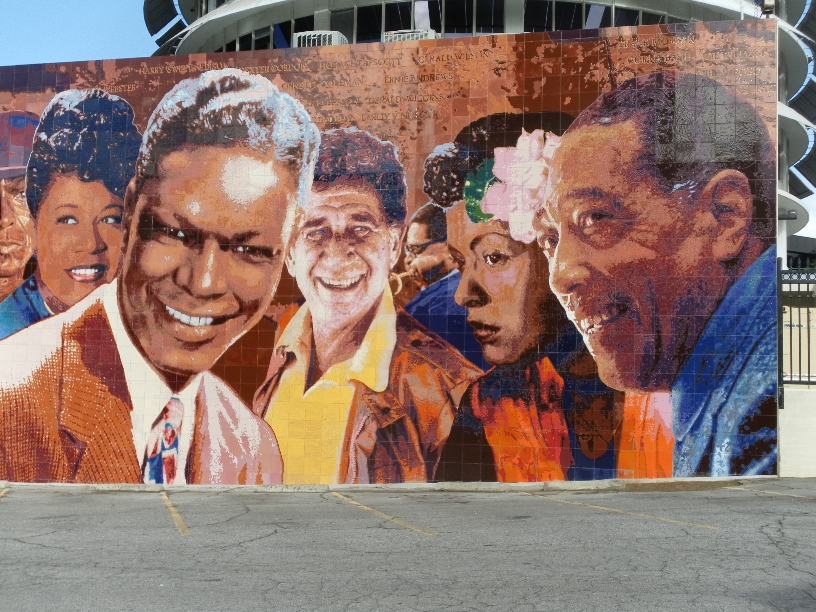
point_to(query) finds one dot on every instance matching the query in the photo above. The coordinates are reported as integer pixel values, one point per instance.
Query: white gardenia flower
(523, 171)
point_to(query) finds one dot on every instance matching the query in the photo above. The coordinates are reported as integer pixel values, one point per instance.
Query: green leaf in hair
(476, 185)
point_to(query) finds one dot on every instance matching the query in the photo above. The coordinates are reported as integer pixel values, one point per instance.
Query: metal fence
(796, 292)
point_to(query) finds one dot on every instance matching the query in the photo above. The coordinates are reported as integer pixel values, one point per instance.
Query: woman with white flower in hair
(540, 413)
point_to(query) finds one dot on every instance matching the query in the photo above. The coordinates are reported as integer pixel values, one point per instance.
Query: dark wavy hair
(349, 153)
(90, 132)
(447, 167)
(693, 127)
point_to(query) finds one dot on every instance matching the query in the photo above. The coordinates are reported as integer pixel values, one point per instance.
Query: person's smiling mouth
(87, 274)
(604, 316)
(193, 320)
(7, 247)
(341, 284)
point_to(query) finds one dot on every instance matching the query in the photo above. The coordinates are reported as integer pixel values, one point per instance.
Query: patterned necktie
(161, 453)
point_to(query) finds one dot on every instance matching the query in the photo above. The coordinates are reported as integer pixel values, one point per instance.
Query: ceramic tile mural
(513, 258)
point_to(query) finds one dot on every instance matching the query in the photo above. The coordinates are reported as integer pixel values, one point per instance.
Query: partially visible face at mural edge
(637, 269)
(79, 231)
(16, 228)
(503, 286)
(205, 246)
(344, 251)
(426, 249)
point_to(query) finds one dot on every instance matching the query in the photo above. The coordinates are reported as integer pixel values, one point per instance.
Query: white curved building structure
(207, 26)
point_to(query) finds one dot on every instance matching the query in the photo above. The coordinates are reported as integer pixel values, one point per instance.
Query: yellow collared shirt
(310, 424)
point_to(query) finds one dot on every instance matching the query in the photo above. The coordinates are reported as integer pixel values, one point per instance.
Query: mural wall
(519, 258)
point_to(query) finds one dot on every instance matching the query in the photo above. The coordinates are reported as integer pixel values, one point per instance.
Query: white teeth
(595, 323)
(85, 271)
(188, 320)
(340, 284)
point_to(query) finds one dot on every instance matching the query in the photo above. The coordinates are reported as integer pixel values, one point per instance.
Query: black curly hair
(447, 167)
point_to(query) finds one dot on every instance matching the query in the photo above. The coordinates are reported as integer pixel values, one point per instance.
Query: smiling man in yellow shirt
(358, 391)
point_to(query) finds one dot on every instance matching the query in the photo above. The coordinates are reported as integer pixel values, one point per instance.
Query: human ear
(127, 216)
(727, 197)
(396, 234)
(290, 261)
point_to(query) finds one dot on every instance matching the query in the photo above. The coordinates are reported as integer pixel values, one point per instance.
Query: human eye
(150, 228)
(67, 220)
(361, 231)
(590, 219)
(495, 258)
(111, 220)
(174, 233)
(254, 254)
(548, 240)
(317, 235)
(457, 257)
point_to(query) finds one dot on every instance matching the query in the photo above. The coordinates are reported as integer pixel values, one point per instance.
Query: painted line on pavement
(618, 511)
(4, 491)
(771, 493)
(387, 517)
(175, 514)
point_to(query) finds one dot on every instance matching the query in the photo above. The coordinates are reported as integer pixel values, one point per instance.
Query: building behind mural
(515, 258)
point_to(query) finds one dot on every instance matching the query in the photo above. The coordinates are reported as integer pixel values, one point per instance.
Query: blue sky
(43, 31)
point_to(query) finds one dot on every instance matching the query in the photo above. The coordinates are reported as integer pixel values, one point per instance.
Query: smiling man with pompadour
(358, 391)
(117, 388)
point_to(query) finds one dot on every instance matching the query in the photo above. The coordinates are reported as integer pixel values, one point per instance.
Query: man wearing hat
(16, 226)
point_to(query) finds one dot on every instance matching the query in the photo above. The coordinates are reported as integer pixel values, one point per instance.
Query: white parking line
(618, 511)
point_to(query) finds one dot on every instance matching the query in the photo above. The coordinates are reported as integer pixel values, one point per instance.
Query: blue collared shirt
(22, 308)
(724, 398)
(436, 309)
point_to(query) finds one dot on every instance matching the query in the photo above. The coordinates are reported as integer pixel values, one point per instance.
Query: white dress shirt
(149, 394)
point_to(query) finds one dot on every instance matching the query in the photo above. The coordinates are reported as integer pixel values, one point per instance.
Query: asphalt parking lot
(739, 546)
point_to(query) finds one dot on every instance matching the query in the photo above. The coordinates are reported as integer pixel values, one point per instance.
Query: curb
(612, 485)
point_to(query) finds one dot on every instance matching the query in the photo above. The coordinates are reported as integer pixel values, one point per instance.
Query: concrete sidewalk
(616, 484)
(746, 544)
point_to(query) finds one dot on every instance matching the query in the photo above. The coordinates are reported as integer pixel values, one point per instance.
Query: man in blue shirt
(427, 256)
(659, 226)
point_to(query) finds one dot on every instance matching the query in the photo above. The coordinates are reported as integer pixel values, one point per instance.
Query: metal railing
(797, 326)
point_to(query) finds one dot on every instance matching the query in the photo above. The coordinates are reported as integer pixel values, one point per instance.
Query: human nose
(569, 267)
(97, 245)
(338, 248)
(6, 210)
(470, 292)
(206, 272)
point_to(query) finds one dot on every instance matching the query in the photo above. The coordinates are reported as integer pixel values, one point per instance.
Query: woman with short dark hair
(83, 158)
